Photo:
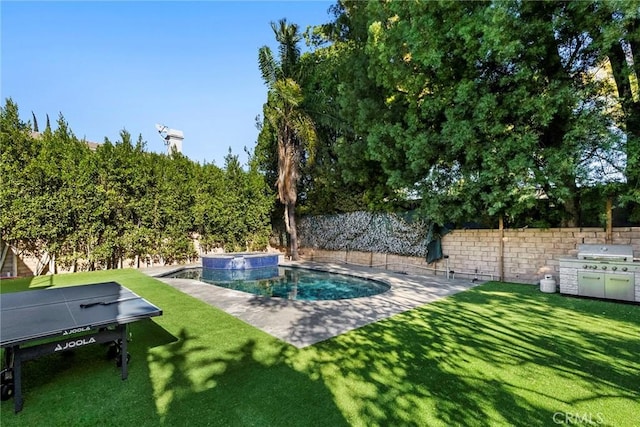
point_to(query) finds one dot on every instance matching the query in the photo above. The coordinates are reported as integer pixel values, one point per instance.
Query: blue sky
(108, 66)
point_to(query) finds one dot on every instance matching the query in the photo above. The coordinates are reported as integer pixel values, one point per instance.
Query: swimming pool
(287, 282)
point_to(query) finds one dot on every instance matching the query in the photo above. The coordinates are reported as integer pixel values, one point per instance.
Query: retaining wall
(525, 256)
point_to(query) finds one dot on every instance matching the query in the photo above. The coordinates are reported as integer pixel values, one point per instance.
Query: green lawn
(499, 354)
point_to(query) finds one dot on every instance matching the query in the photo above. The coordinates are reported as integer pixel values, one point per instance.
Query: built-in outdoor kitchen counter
(601, 271)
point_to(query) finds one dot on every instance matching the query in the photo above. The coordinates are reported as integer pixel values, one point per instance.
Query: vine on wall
(400, 234)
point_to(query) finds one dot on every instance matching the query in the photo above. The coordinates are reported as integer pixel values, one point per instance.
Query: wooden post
(609, 236)
(501, 250)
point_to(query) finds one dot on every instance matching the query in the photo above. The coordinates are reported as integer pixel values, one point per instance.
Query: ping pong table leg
(123, 352)
(17, 380)
(7, 375)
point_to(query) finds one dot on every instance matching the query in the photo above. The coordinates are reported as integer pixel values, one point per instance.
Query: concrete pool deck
(303, 323)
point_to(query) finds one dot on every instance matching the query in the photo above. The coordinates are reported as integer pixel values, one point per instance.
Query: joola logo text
(76, 330)
(73, 344)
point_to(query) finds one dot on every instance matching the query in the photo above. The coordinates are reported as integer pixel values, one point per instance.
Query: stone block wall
(14, 264)
(525, 256)
(569, 279)
(516, 255)
(26, 266)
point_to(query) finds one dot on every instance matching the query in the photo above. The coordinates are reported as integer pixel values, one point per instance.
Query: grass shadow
(195, 365)
(500, 354)
(249, 384)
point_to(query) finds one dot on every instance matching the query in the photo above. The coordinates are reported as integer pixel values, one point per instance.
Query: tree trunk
(623, 74)
(631, 110)
(572, 205)
(293, 232)
(52, 264)
(609, 225)
(552, 135)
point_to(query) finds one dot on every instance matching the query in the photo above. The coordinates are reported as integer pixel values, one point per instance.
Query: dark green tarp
(434, 242)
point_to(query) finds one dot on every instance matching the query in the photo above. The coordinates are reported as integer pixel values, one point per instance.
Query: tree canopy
(480, 110)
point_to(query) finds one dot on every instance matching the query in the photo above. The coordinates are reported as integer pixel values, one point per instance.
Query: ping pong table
(40, 322)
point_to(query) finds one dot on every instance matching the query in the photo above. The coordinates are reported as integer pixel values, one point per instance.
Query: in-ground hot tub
(240, 261)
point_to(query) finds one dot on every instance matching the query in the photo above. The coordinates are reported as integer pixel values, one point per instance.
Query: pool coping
(304, 323)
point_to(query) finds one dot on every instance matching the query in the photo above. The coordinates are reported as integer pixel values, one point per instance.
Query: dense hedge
(93, 209)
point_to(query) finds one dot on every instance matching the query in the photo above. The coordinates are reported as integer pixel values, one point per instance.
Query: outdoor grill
(601, 271)
(619, 253)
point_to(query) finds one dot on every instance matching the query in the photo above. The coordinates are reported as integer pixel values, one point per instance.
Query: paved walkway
(303, 323)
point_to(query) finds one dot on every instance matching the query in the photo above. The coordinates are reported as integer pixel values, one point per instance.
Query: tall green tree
(293, 128)
(245, 191)
(173, 222)
(614, 28)
(51, 195)
(478, 108)
(343, 177)
(209, 206)
(17, 149)
(35, 123)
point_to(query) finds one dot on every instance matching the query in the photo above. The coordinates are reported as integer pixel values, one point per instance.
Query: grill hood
(606, 252)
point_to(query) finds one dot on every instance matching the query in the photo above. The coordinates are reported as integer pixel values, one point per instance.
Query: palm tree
(294, 129)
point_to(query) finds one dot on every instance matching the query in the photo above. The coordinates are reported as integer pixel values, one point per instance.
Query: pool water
(287, 282)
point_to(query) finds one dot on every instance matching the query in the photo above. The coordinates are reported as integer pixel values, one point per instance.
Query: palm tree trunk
(293, 232)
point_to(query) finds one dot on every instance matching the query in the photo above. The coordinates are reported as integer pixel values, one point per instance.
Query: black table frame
(67, 340)
(62, 319)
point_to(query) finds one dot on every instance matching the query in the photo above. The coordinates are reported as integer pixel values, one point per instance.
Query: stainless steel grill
(604, 271)
(619, 253)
